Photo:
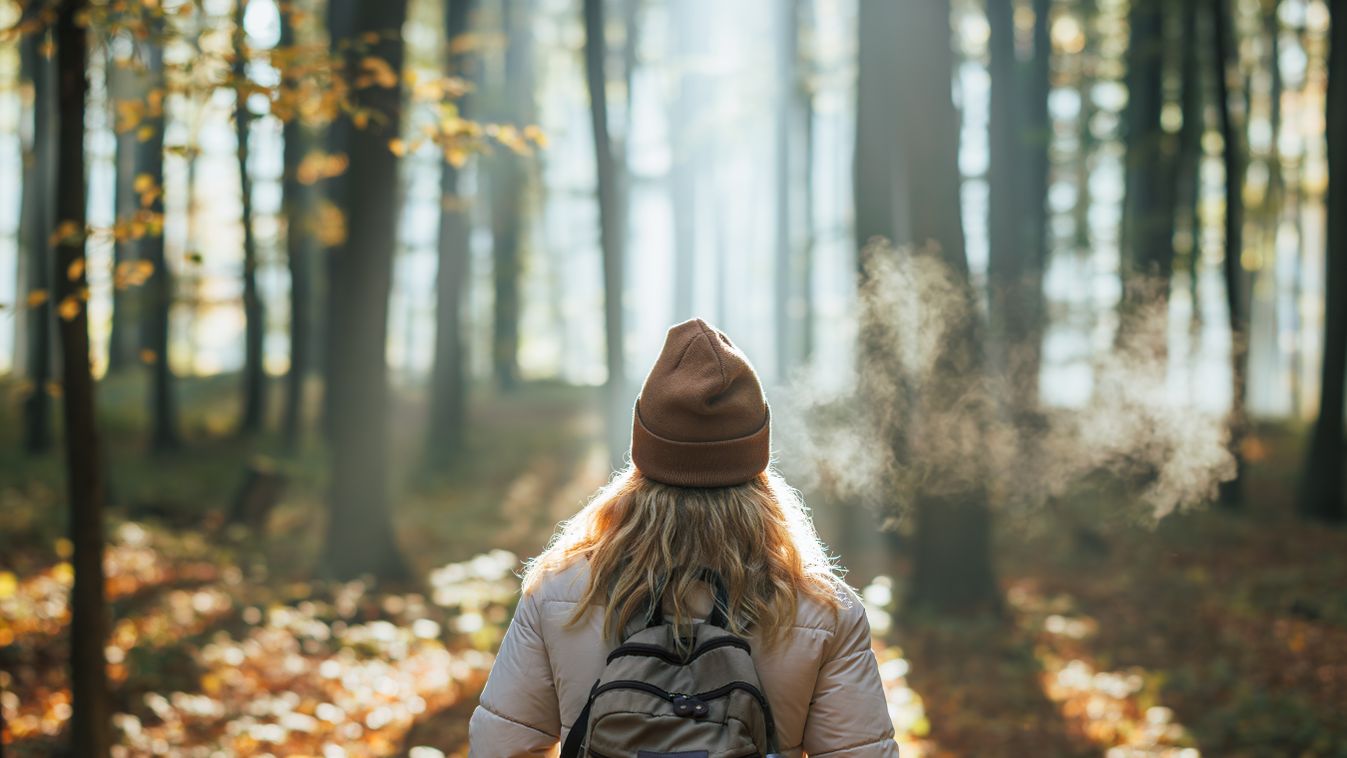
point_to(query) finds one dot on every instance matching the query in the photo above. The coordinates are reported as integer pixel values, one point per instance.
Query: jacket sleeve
(518, 714)
(848, 715)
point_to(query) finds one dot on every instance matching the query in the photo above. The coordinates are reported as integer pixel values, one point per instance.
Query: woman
(698, 497)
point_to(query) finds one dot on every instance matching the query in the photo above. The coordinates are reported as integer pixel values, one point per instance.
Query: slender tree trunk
(254, 316)
(1188, 179)
(1148, 209)
(1038, 139)
(449, 378)
(1237, 300)
(124, 339)
(360, 537)
(610, 238)
(804, 10)
(159, 294)
(879, 210)
(508, 189)
(297, 201)
(787, 116)
(686, 148)
(1321, 495)
(1008, 254)
(90, 728)
(37, 433)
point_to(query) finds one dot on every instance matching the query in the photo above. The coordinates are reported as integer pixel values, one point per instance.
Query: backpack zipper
(719, 692)
(655, 651)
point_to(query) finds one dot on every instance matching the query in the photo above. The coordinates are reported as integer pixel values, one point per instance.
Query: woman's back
(820, 677)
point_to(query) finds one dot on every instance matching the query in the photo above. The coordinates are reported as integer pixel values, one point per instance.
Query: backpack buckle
(690, 707)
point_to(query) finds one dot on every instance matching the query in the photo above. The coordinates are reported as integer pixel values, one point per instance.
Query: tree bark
(804, 11)
(508, 187)
(360, 537)
(788, 116)
(39, 197)
(610, 238)
(1148, 207)
(449, 377)
(124, 337)
(254, 315)
(876, 181)
(90, 728)
(297, 200)
(1237, 304)
(1321, 495)
(341, 21)
(159, 288)
(686, 150)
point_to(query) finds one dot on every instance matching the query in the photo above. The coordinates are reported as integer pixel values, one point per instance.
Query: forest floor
(1210, 633)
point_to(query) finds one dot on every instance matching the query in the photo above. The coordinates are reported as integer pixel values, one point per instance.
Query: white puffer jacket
(822, 679)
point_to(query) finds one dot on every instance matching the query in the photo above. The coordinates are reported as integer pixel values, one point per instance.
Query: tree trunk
(449, 378)
(1008, 253)
(804, 10)
(1188, 176)
(917, 180)
(1148, 207)
(254, 316)
(1235, 279)
(39, 214)
(90, 728)
(124, 338)
(360, 537)
(159, 294)
(297, 201)
(683, 114)
(930, 146)
(1321, 495)
(508, 187)
(787, 117)
(341, 20)
(876, 183)
(609, 226)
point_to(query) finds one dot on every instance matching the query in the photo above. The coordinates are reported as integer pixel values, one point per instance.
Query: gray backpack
(654, 702)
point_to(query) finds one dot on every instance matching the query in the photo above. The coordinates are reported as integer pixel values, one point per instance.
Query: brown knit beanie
(701, 419)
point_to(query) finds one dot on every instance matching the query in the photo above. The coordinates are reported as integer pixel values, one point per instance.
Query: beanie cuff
(717, 463)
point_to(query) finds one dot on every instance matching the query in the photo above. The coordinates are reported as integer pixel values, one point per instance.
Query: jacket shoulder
(566, 583)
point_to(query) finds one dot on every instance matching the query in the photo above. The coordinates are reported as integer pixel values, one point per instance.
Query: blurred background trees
(366, 288)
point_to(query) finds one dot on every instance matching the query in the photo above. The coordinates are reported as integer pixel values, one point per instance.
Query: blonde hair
(642, 537)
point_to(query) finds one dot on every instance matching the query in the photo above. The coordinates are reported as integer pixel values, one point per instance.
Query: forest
(317, 316)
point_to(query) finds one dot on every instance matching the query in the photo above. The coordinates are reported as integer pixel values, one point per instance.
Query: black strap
(576, 738)
(719, 611)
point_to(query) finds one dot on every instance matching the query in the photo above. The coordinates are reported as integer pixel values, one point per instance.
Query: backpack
(652, 701)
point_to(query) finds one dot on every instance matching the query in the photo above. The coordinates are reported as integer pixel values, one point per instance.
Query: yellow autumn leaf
(36, 298)
(64, 548)
(397, 147)
(9, 585)
(75, 270)
(65, 232)
(69, 308)
(456, 156)
(143, 183)
(379, 71)
(63, 572)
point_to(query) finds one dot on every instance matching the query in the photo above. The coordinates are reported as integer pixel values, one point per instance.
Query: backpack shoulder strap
(576, 738)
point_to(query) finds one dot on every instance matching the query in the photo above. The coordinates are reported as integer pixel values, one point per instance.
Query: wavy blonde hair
(635, 532)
